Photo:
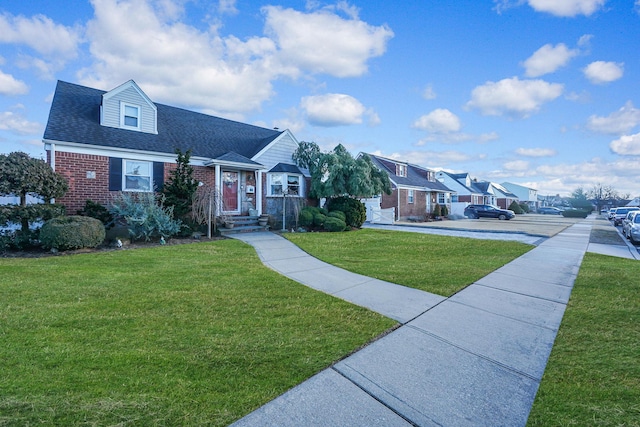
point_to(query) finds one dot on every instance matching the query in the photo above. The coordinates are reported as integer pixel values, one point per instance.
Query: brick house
(415, 190)
(120, 140)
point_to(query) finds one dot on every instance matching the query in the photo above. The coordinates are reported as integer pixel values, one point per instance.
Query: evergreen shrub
(338, 214)
(334, 224)
(355, 211)
(575, 213)
(305, 217)
(515, 207)
(72, 232)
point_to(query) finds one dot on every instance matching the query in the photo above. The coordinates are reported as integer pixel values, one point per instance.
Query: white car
(621, 213)
(631, 226)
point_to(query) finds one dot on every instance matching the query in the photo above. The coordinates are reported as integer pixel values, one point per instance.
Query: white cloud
(627, 145)
(432, 158)
(567, 8)
(513, 96)
(227, 6)
(429, 93)
(616, 123)
(323, 42)
(536, 152)
(9, 85)
(182, 65)
(41, 34)
(548, 59)
(17, 124)
(516, 166)
(333, 109)
(439, 121)
(601, 72)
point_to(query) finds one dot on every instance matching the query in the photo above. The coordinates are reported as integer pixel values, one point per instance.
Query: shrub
(437, 211)
(515, 207)
(72, 232)
(575, 213)
(97, 211)
(355, 211)
(338, 214)
(305, 217)
(525, 207)
(444, 211)
(145, 216)
(334, 224)
(319, 219)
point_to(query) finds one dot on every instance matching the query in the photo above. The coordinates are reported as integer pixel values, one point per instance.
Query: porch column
(218, 188)
(259, 192)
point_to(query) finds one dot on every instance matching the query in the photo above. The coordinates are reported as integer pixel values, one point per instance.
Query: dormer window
(401, 170)
(130, 116)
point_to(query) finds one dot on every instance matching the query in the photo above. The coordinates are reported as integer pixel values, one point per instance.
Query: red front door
(230, 191)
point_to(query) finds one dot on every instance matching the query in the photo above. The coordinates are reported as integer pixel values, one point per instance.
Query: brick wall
(79, 170)
(88, 178)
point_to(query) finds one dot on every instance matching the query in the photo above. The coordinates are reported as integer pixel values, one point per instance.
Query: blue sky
(543, 93)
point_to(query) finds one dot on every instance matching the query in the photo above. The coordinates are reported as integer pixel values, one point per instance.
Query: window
(129, 116)
(410, 196)
(442, 199)
(282, 181)
(401, 170)
(137, 176)
(454, 198)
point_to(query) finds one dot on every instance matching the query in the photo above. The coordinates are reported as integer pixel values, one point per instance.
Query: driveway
(531, 224)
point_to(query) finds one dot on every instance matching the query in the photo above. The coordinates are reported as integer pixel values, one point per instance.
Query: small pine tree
(182, 186)
(444, 211)
(437, 211)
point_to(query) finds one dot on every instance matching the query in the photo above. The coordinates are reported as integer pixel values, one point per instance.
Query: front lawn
(593, 374)
(438, 264)
(178, 335)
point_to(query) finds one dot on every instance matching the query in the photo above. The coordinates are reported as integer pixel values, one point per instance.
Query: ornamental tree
(22, 176)
(182, 186)
(337, 173)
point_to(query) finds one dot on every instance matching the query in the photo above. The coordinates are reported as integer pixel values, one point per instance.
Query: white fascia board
(97, 150)
(274, 142)
(234, 165)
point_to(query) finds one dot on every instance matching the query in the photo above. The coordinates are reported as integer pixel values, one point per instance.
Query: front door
(230, 184)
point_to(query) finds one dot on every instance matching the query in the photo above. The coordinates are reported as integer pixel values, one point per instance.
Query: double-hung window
(138, 176)
(130, 116)
(281, 182)
(410, 196)
(442, 198)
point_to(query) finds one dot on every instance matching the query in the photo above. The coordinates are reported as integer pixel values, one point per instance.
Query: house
(524, 194)
(466, 191)
(503, 197)
(415, 190)
(120, 140)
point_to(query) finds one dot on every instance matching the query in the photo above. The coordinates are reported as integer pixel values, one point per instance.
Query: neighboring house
(415, 190)
(466, 192)
(503, 197)
(524, 194)
(120, 140)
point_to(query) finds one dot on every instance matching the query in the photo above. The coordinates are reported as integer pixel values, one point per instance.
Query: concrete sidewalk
(475, 358)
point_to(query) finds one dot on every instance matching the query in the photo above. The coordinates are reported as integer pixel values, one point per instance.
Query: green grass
(196, 334)
(439, 264)
(593, 374)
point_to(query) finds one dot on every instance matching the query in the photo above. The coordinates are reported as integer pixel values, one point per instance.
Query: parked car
(621, 213)
(487, 211)
(631, 226)
(612, 213)
(549, 210)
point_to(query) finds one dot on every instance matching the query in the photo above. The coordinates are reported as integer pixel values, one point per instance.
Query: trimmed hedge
(355, 210)
(334, 224)
(575, 213)
(515, 207)
(72, 232)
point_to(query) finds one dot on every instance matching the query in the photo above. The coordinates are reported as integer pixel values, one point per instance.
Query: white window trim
(124, 176)
(411, 196)
(284, 176)
(123, 107)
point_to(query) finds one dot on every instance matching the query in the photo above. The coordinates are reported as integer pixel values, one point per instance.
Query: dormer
(401, 170)
(128, 107)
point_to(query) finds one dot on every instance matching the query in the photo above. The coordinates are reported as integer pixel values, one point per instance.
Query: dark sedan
(487, 211)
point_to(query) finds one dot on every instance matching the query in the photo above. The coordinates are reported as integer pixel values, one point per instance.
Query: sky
(541, 93)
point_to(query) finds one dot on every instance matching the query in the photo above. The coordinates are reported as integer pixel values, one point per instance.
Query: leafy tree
(337, 173)
(181, 188)
(22, 176)
(580, 199)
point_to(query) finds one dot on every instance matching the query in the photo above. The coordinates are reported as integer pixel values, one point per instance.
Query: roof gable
(75, 118)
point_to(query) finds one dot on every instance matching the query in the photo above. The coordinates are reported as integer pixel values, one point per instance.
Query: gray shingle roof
(75, 117)
(416, 175)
